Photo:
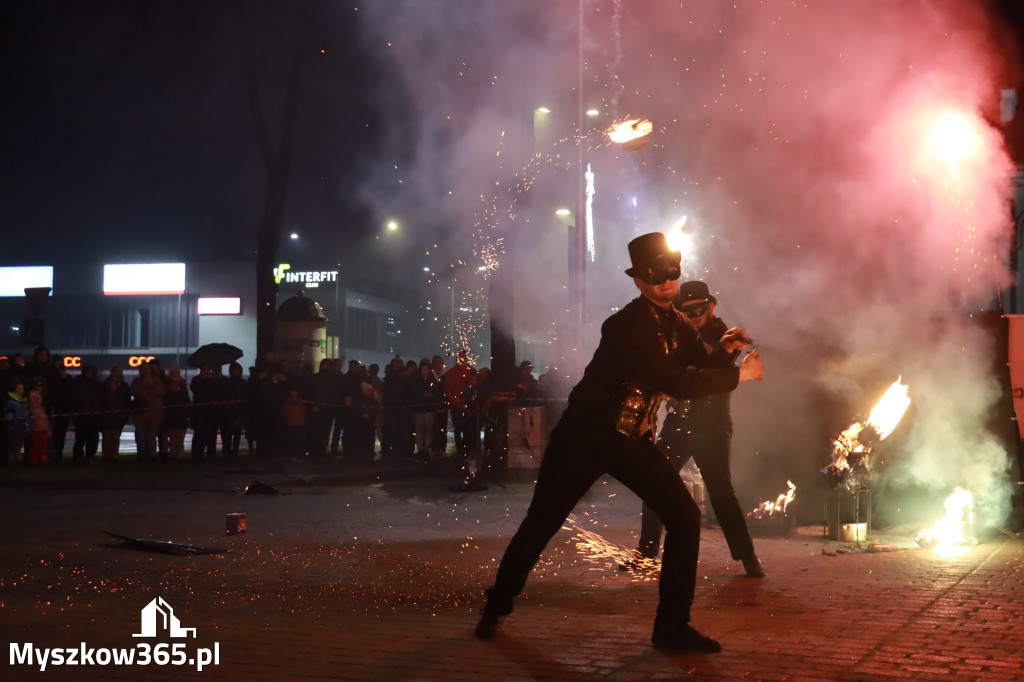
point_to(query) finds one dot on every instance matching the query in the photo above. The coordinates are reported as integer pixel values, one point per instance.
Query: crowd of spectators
(360, 412)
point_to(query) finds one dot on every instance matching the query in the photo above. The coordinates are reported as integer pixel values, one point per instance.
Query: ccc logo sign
(75, 361)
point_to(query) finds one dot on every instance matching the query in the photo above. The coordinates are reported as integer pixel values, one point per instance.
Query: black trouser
(319, 430)
(705, 433)
(338, 413)
(466, 430)
(58, 436)
(87, 438)
(577, 455)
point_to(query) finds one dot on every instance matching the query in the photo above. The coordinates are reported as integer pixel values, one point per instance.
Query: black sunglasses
(695, 309)
(660, 274)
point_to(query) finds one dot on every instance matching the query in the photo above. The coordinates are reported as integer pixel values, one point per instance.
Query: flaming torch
(850, 464)
(634, 134)
(679, 239)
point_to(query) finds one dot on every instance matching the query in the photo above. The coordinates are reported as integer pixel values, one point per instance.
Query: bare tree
(278, 162)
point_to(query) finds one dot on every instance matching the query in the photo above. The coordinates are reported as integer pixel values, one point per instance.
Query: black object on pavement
(168, 547)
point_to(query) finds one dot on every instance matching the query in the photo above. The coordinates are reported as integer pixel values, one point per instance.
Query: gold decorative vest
(638, 413)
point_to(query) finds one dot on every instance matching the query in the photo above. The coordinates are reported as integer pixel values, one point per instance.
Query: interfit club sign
(310, 279)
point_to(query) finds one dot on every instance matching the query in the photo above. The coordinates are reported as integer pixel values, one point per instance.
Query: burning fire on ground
(950, 537)
(772, 508)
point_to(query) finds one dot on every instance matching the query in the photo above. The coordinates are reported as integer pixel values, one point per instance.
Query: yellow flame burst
(949, 537)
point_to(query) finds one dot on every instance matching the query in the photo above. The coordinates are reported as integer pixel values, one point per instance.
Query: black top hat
(694, 291)
(649, 250)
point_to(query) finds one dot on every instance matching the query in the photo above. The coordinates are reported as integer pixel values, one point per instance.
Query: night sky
(127, 131)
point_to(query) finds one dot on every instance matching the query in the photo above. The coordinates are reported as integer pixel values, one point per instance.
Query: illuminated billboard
(220, 306)
(14, 280)
(144, 279)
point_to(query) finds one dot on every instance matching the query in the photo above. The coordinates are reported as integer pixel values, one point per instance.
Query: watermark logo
(158, 620)
(158, 615)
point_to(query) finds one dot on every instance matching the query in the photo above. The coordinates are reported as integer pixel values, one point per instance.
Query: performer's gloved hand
(735, 339)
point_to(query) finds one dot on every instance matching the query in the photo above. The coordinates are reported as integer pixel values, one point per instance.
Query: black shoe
(639, 563)
(752, 565)
(490, 617)
(487, 626)
(682, 637)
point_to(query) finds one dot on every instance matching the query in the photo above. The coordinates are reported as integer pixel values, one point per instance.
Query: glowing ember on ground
(769, 508)
(950, 536)
(851, 448)
(631, 133)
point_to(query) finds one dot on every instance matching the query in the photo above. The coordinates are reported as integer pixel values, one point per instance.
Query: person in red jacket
(464, 422)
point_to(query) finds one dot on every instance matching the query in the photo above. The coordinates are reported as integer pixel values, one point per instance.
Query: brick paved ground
(364, 580)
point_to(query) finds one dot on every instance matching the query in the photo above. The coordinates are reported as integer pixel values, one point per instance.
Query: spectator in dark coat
(115, 402)
(84, 402)
(177, 405)
(232, 392)
(205, 393)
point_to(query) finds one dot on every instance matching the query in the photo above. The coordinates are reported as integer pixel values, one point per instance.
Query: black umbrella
(214, 354)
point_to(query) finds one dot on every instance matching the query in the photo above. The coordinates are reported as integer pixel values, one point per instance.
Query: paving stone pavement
(364, 579)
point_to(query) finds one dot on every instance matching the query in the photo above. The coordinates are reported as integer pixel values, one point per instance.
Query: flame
(953, 137)
(769, 508)
(630, 130)
(678, 239)
(947, 537)
(850, 449)
(890, 409)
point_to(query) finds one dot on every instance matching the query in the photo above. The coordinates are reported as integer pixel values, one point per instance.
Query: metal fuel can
(236, 523)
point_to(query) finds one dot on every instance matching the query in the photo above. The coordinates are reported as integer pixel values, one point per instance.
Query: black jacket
(650, 351)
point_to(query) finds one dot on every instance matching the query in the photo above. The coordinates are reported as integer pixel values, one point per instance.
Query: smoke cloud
(808, 145)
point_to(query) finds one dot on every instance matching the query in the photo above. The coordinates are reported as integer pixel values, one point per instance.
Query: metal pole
(580, 240)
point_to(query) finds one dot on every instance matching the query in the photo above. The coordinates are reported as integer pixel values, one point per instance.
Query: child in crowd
(39, 439)
(294, 413)
(17, 423)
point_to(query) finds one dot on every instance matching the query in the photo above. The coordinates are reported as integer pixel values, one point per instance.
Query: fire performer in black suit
(702, 428)
(647, 350)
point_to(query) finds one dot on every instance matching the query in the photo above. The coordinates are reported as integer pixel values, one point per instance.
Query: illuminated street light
(593, 112)
(294, 235)
(392, 226)
(543, 110)
(563, 212)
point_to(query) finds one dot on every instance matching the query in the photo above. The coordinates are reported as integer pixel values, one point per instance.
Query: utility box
(527, 437)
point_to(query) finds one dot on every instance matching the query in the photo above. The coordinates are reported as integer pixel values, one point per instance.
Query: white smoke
(796, 138)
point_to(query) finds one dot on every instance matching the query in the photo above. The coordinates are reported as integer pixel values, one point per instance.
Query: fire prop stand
(848, 476)
(847, 514)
